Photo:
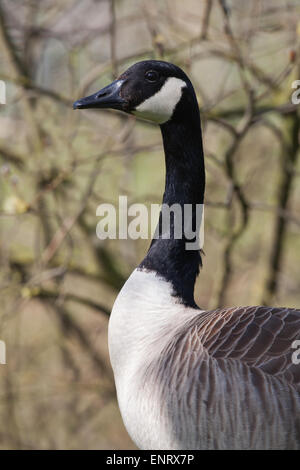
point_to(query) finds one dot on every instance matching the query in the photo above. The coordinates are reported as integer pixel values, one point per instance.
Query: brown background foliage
(57, 280)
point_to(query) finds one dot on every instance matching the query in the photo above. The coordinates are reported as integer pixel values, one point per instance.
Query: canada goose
(188, 378)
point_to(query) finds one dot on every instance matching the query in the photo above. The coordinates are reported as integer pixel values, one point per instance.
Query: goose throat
(184, 185)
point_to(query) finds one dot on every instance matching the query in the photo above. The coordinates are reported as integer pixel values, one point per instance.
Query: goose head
(153, 90)
(162, 93)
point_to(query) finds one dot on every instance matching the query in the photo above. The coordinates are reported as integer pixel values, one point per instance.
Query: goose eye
(151, 76)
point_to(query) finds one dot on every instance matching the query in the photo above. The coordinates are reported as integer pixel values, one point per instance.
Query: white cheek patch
(160, 107)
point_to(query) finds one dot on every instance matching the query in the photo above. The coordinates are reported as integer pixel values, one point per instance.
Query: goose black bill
(108, 97)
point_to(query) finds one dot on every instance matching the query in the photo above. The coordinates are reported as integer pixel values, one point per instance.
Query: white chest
(144, 318)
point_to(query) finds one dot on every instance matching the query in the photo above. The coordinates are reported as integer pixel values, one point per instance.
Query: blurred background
(58, 281)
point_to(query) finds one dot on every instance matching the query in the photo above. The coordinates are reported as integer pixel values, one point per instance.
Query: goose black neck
(185, 184)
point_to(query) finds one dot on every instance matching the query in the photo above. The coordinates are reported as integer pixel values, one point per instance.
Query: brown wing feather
(226, 380)
(258, 336)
